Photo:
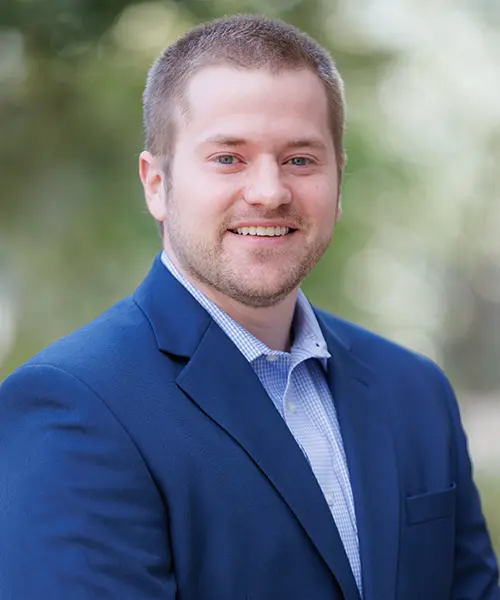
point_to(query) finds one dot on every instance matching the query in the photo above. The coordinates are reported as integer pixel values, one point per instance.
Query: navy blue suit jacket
(140, 458)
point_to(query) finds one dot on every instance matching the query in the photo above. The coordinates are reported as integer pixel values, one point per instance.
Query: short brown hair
(247, 42)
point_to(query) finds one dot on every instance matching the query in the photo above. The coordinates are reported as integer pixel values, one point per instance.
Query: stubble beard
(209, 263)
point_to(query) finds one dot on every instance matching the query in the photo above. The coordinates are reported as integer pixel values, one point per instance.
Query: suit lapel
(224, 386)
(371, 457)
(220, 380)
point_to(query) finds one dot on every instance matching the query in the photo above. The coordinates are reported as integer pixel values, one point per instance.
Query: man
(214, 436)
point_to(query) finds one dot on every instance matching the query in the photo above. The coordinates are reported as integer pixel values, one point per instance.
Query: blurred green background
(417, 255)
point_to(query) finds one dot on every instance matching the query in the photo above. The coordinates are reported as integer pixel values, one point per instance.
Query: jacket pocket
(431, 506)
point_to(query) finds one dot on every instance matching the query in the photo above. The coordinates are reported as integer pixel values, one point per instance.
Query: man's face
(253, 193)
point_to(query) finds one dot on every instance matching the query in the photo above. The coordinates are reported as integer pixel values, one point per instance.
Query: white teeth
(263, 231)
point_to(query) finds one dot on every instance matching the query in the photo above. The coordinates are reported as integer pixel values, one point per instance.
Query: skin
(253, 148)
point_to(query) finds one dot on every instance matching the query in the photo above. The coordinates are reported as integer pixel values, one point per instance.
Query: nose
(266, 186)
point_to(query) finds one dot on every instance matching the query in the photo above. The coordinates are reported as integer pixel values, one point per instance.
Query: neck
(271, 325)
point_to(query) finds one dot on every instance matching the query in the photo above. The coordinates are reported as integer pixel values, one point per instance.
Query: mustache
(282, 213)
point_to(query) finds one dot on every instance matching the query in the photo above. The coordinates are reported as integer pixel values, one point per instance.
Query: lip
(263, 224)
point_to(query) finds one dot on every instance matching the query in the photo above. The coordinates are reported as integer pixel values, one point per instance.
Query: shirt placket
(312, 440)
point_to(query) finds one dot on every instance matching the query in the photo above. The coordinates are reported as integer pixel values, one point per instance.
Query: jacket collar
(164, 300)
(176, 317)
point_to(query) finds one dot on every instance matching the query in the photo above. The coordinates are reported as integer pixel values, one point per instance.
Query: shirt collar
(308, 341)
(308, 337)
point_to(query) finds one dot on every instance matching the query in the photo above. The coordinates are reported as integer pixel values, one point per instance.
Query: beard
(260, 285)
(257, 282)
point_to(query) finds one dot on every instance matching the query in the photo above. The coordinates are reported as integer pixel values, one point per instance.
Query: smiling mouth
(263, 231)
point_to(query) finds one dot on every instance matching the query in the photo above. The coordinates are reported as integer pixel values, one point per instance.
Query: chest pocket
(430, 506)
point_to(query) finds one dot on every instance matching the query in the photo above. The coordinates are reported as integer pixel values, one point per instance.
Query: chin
(262, 297)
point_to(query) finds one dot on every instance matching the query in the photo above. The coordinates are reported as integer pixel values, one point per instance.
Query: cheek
(201, 193)
(319, 204)
(202, 207)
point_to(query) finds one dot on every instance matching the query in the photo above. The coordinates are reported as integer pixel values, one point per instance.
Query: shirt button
(330, 498)
(271, 357)
(291, 407)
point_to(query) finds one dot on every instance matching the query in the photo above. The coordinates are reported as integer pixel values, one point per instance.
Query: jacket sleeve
(476, 568)
(80, 516)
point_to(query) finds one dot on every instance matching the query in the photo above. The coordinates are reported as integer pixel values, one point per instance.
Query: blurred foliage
(75, 235)
(490, 493)
(72, 218)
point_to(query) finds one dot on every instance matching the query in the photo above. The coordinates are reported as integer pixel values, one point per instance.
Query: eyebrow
(235, 142)
(306, 143)
(225, 140)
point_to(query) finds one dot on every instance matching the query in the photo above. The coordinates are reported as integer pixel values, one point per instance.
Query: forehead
(257, 104)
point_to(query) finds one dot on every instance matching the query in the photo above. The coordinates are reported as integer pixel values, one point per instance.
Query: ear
(152, 177)
(341, 166)
(338, 212)
(343, 160)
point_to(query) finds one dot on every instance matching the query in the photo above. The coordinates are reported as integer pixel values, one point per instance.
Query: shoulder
(100, 349)
(379, 353)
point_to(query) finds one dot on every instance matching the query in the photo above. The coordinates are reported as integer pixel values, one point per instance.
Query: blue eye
(300, 161)
(226, 159)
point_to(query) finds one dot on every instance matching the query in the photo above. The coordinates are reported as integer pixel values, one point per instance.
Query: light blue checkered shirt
(295, 382)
